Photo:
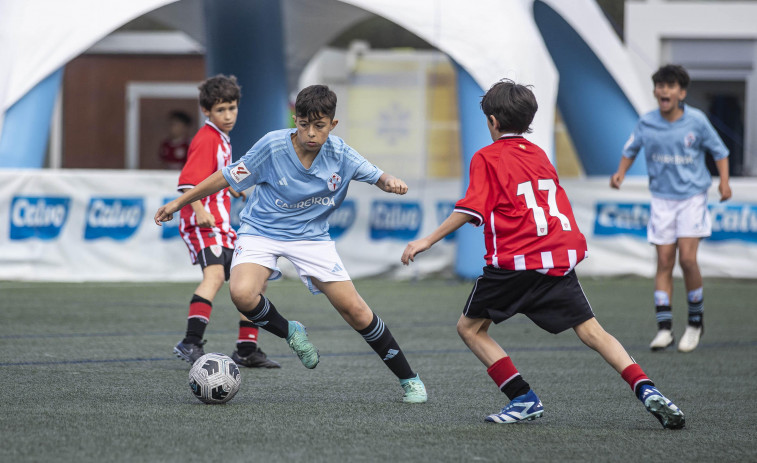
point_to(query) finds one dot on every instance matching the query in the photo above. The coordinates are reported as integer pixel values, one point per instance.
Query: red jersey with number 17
(209, 151)
(529, 225)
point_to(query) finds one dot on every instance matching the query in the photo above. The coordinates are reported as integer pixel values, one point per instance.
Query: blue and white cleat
(522, 408)
(669, 415)
(415, 390)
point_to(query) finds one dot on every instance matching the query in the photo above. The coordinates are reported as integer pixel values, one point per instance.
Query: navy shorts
(223, 257)
(553, 303)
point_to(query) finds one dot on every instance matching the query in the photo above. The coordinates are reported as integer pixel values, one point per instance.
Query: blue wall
(26, 127)
(246, 39)
(474, 135)
(596, 112)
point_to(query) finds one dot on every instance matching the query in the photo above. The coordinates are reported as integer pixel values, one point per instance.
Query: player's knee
(244, 298)
(357, 315)
(688, 262)
(665, 264)
(591, 333)
(464, 330)
(214, 280)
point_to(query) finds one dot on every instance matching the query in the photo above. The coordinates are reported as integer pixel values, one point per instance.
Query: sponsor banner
(342, 219)
(443, 210)
(372, 228)
(735, 221)
(170, 229)
(37, 217)
(92, 225)
(621, 219)
(115, 218)
(395, 220)
(615, 225)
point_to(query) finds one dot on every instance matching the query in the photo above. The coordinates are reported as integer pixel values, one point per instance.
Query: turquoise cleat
(415, 390)
(299, 343)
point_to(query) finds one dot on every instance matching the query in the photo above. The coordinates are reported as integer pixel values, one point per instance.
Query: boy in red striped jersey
(532, 245)
(205, 224)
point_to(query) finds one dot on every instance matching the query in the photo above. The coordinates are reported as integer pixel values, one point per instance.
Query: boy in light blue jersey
(675, 139)
(291, 202)
(301, 176)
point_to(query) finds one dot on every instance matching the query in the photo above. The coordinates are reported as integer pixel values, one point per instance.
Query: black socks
(378, 336)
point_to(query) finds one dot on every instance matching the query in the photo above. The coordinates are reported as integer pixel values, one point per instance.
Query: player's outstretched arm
(210, 185)
(618, 177)
(391, 184)
(450, 224)
(724, 187)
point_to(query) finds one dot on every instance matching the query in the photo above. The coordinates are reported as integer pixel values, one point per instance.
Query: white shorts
(312, 259)
(671, 219)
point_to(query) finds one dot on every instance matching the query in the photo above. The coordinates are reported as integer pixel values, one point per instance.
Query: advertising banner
(615, 225)
(90, 225)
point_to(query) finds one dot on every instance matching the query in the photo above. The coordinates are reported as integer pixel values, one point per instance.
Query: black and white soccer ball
(214, 378)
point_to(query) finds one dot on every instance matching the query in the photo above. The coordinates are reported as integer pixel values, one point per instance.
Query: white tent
(491, 39)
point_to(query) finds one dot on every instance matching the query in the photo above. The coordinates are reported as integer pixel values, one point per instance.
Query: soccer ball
(214, 378)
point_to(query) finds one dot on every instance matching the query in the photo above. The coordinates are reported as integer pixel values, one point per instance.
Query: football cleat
(299, 343)
(670, 416)
(257, 359)
(415, 390)
(690, 338)
(189, 352)
(522, 408)
(663, 340)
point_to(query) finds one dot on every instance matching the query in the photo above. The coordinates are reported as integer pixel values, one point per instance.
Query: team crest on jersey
(334, 181)
(689, 140)
(216, 249)
(239, 172)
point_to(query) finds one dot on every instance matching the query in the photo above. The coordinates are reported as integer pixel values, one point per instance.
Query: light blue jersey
(675, 152)
(290, 202)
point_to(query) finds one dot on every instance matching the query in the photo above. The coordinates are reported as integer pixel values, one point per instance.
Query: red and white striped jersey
(209, 151)
(514, 191)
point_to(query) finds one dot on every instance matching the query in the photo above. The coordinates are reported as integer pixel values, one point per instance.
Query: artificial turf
(88, 375)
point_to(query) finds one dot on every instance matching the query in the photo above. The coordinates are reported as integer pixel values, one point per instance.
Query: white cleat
(663, 340)
(690, 338)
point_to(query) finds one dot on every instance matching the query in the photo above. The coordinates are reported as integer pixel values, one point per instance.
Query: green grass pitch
(88, 375)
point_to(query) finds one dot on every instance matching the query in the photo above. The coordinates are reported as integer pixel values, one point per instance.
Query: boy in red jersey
(205, 224)
(532, 245)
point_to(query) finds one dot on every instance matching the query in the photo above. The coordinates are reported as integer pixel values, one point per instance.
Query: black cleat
(189, 352)
(257, 359)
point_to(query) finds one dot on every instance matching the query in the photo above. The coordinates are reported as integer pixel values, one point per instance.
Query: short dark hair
(180, 116)
(219, 89)
(513, 105)
(671, 73)
(314, 102)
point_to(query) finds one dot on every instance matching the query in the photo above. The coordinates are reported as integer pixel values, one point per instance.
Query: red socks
(200, 309)
(507, 378)
(635, 377)
(247, 334)
(502, 371)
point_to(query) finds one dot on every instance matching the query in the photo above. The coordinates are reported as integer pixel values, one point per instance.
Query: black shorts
(553, 303)
(208, 257)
